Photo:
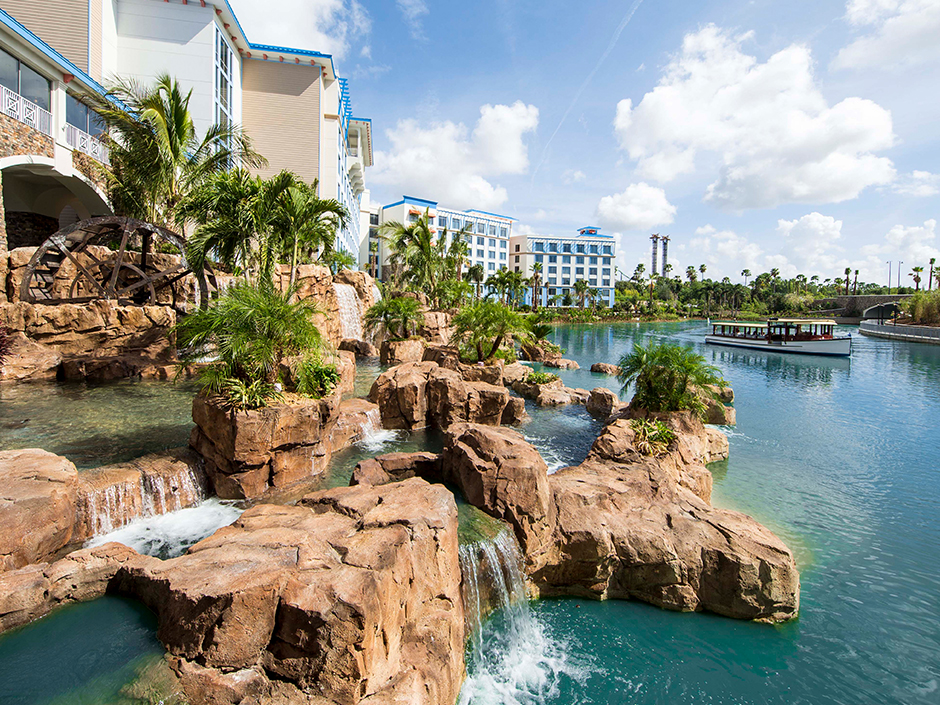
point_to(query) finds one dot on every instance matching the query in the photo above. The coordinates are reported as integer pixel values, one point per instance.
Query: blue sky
(798, 135)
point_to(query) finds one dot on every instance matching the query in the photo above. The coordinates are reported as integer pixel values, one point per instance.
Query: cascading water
(376, 292)
(350, 317)
(513, 657)
(374, 438)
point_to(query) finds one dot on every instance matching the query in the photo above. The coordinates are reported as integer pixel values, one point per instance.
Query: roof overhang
(365, 130)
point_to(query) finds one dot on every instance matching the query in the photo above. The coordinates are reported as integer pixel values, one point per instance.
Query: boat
(806, 336)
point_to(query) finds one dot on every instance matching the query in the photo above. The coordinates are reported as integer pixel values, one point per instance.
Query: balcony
(86, 144)
(19, 108)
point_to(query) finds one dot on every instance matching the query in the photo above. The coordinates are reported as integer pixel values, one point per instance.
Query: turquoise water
(82, 655)
(840, 458)
(96, 424)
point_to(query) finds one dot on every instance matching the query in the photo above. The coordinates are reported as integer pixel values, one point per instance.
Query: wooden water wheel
(111, 257)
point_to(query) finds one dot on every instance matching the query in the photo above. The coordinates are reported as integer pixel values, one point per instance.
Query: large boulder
(562, 364)
(437, 328)
(602, 402)
(605, 368)
(542, 351)
(396, 352)
(38, 499)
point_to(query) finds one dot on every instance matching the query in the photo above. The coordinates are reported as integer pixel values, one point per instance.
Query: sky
(757, 134)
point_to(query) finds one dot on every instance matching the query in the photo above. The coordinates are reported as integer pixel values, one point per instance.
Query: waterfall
(514, 659)
(373, 438)
(350, 317)
(116, 496)
(376, 293)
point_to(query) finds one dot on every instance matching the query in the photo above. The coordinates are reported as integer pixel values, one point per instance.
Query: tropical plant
(916, 272)
(541, 377)
(535, 282)
(581, 288)
(156, 155)
(485, 325)
(253, 332)
(337, 260)
(475, 273)
(651, 436)
(667, 377)
(305, 226)
(397, 318)
(746, 273)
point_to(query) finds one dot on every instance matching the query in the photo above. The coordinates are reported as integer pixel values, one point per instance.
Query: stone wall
(91, 168)
(29, 229)
(19, 138)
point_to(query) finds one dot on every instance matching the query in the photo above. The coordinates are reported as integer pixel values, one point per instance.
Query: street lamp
(899, 276)
(889, 275)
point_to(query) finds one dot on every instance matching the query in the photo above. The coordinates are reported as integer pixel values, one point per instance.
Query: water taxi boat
(790, 335)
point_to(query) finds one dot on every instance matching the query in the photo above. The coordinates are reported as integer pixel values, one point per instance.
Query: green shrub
(541, 377)
(667, 377)
(315, 378)
(923, 307)
(651, 436)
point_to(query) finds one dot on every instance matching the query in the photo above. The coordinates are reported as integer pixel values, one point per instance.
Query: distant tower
(655, 239)
(665, 241)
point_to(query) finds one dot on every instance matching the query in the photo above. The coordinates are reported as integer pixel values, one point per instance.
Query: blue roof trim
(590, 227)
(413, 201)
(495, 215)
(49, 52)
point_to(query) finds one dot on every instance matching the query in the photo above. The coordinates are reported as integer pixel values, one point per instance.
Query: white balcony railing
(26, 111)
(85, 143)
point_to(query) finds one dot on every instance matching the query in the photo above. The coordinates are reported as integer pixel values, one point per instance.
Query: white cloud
(918, 183)
(899, 33)
(777, 139)
(572, 176)
(809, 244)
(413, 11)
(327, 26)
(724, 252)
(445, 162)
(639, 207)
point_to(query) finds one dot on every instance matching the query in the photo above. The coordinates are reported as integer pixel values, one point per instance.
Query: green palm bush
(485, 325)
(651, 436)
(396, 318)
(667, 377)
(253, 332)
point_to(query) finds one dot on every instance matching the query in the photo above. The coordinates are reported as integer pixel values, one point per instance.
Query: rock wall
(353, 597)
(28, 229)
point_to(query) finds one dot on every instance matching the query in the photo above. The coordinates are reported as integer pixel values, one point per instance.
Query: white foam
(169, 535)
(378, 439)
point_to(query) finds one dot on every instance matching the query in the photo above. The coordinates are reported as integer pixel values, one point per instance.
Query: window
(491, 266)
(553, 270)
(552, 281)
(566, 270)
(223, 79)
(593, 272)
(480, 254)
(481, 228)
(517, 259)
(492, 254)
(607, 250)
(593, 260)
(579, 272)
(504, 232)
(517, 248)
(593, 282)
(553, 247)
(492, 243)
(566, 247)
(553, 258)
(606, 283)
(606, 262)
(481, 240)
(503, 245)
(606, 272)
(579, 248)
(593, 249)
(502, 255)
(456, 224)
(566, 282)
(82, 117)
(412, 217)
(579, 260)
(517, 269)
(373, 218)
(442, 221)
(492, 230)
(540, 247)
(539, 258)
(566, 259)
(20, 78)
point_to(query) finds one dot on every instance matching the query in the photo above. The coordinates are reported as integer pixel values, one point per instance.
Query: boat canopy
(805, 321)
(740, 324)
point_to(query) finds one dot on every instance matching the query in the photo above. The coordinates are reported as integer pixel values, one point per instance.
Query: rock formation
(542, 351)
(717, 402)
(605, 368)
(352, 597)
(553, 393)
(602, 402)
(561, 363)
(437, 328)
(397, 352)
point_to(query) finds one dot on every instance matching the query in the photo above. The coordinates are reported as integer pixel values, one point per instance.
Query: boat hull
(834, 347)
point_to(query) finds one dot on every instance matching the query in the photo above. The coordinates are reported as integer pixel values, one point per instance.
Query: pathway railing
(26, 111)
(85, 143)
(917, 334)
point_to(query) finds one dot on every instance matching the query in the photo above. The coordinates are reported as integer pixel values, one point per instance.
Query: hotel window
(593, 260)
(579, 248)
(579, 260)
(553, 247)
(481, 228)
(456, 224)
(593, 272)
(606, 283)
(579, 271)
(539, 258)
(492, 230)
(566, 259)
(223, 79)
(593, 249)
(373, 218)
(593, 282)
(566, 282)
(517, 269)
(502, 255)
(606, 272)
(566, 247)
(492, 243)
(442, 221)
(480, 254)
(553, 258)
(503, 245)
(412, 217)
(517, 248)
(607, 250)
(20, 78)
(517, 258)
(552, 281)
(481, 240)
(540, 247)
(566, 270)
(504, 232)
(492, 254)
(82, 117)
(491, 266)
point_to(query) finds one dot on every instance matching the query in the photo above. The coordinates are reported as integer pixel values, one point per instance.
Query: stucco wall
(281, 113)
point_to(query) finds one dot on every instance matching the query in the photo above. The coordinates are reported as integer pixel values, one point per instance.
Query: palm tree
(415, 253)
(702, 268)
(535, 283)
(774, 276)
(638, 274)
(691, 274)
(338, 260)
(848, 277)
(306, 225)
(157, 157)
(930, 269)
(855, 284)
(916, 272)
(475, 274)
(396, 318)
(594, 294)
(485, 325)
(746, 273)
(667, 377)
(581, 289)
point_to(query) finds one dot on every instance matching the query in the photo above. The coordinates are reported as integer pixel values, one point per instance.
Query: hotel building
(588, 255)
(290, 101)
(487, 234)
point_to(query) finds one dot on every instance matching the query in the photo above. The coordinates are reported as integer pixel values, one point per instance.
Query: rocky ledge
(353, 597)
(621, 524)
